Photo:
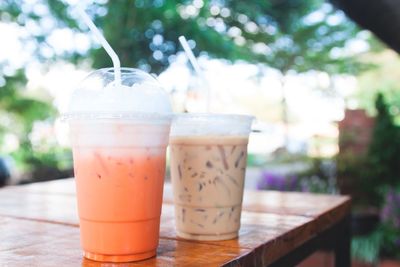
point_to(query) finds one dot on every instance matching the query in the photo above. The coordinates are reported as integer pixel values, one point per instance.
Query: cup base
(203, 237)
(119, 258)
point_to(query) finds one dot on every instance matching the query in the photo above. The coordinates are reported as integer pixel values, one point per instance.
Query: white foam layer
(138, 93)
(118, 134)
(139, 98)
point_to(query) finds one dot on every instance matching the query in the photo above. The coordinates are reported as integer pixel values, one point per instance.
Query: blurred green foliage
(367, 248)
(390, 227)
(384, 241)
(382, 158)
(375, 177)
(352, 168)
(379, 166)
(25, 108)
(385, 79)
(288, 35)
(291, 35)
(320, 177)
(384, 150)
(18, 113)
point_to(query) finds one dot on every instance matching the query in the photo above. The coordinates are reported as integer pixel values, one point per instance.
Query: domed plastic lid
(139, 96)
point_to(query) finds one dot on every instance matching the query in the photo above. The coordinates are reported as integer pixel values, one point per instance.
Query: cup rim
(213, 116)
(73, 116)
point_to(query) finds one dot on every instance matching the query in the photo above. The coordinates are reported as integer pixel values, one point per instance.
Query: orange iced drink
(120, 186)
(119, 134)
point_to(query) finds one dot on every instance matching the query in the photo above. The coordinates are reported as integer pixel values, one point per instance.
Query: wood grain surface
(39, 226)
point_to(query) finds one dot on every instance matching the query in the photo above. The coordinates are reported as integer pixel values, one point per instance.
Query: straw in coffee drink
(196, 66)
(104, 43)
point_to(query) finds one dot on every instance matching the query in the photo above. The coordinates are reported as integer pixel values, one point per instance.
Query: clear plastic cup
(119, 146)
(208, 165)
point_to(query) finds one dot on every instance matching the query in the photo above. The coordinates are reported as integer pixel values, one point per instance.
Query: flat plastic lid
(138, 97)
(187, 124)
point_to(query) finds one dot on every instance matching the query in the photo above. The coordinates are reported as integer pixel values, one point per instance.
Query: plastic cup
(208, 165)
(119, 162)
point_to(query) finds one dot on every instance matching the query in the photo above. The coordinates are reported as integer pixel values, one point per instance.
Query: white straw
(104, 43)
(196, 66)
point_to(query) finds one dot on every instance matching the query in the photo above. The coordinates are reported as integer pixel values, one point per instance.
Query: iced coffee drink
(208, 165)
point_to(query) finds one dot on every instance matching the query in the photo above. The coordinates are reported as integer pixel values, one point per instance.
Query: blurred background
(325, 91)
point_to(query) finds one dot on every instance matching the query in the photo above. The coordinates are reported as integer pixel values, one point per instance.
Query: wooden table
(39, 227)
